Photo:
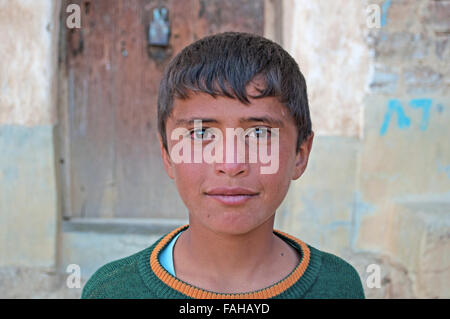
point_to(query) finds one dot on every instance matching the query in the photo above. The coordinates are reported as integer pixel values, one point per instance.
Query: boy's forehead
(204, 106)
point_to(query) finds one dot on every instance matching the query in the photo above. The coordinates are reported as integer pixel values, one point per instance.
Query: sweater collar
(294, 285)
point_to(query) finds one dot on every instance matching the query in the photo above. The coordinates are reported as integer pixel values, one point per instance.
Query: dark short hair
(223, 64)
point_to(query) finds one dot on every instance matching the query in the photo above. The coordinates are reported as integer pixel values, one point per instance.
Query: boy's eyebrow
(191, 121)
(265, 119)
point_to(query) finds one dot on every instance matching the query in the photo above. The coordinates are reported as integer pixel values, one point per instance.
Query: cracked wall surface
(380, 194)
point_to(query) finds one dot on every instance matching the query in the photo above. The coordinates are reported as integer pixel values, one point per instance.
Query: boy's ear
(302, 156)
(167, 162)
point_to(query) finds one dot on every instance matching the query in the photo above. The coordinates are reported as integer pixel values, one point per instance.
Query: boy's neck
(227, 263)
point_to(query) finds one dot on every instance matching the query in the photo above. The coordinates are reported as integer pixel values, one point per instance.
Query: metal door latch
(159, 29)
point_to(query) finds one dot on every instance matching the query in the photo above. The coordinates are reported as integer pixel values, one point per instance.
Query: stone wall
(29, 214)
(28, 190)
(377, 189)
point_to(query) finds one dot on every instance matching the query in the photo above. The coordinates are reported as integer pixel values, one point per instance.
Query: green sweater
(318, 275)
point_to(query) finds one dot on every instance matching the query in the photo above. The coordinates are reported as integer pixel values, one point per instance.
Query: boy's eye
(258, 132)
(204, 134)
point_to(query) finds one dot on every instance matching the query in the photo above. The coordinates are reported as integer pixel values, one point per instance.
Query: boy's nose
(237, 163)
(232, 169)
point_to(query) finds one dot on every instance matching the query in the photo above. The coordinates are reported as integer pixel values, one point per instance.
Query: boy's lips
(231, 196)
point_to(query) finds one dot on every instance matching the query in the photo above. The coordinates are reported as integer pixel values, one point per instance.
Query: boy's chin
(230, 227)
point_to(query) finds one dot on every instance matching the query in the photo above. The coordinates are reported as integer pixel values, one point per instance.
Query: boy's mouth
(231, 196)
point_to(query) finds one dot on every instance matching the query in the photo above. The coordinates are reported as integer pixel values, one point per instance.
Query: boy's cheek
(274, 183)
(187, 173)
(167, 163)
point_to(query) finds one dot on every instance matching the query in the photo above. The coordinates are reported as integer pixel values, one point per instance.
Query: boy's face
(198, 183)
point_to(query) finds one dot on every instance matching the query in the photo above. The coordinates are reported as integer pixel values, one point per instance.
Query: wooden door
(111, 159)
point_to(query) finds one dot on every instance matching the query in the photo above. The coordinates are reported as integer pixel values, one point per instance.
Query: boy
(229, 249)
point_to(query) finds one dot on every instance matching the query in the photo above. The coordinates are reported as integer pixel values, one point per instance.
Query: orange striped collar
(195, 292)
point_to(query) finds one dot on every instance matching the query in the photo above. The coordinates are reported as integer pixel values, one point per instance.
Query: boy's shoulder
(118, 279)
(336, 278)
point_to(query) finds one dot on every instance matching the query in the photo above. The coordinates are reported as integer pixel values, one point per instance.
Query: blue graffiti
(384, 10)
(424, 104)
(394, 106)
(403, 121)
(443, 168)
(360, 210)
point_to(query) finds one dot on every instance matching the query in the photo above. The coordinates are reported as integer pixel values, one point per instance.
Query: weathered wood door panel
(115, 169)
